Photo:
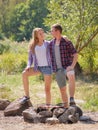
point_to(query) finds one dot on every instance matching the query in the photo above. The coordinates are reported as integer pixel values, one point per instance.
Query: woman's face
(41, 35)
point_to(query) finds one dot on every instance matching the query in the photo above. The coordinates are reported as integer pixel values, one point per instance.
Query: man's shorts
(45, 70)
(61, 76)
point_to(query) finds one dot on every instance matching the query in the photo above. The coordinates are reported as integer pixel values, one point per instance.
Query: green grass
(11, 88)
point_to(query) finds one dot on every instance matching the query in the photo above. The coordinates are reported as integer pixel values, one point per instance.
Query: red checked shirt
(66, 53)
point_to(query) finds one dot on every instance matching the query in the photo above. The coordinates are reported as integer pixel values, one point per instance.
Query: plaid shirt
(66, 52)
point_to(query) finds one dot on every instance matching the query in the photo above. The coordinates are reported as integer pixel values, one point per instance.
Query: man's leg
(71, 80)
(61, 81)
(47, 80)
(64, 96)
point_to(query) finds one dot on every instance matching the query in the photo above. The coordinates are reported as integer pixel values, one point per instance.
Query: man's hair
(57, 27)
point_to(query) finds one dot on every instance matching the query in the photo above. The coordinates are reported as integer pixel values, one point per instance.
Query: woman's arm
(30, 59)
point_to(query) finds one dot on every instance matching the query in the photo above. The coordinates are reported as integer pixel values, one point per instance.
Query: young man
(64, 57)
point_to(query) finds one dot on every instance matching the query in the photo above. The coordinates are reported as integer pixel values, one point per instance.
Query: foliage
(79, 21)
(11, 62)
(88, 58)
(13, 56)
(4, 48)
(78, 18)
(21, 17)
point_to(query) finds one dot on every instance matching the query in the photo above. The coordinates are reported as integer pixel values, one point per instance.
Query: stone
(51, 114)
(52, 120)
(4, 103)
(30, 115)
(73, 118)
(69, 116)
(16, 108)
(58, 112)
(84, 118)
(78, 110)
(46, 113)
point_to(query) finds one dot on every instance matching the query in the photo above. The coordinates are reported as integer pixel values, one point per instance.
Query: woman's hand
(27, 68)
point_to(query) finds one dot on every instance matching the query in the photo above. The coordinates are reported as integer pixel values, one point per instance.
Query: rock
(30, 115)
(4, 103)
(84, 118)
(69, 116)
(52, 120)
(46, 113)
(16, 108)
(73, 118)
(78, 110)
(58, 112)
(52, 114)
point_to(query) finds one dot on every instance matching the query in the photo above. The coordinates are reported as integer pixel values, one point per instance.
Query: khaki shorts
(61, 76)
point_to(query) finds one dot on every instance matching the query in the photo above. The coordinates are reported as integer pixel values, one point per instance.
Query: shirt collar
(61, 40)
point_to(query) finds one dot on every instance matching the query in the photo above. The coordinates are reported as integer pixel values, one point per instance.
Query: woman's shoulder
(47, 41)
(30, 52)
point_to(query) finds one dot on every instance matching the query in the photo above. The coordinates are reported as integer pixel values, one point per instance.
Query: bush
(4, 48)
(11, 62)
(1, 36)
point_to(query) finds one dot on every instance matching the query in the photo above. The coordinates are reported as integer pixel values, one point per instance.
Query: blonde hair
(34, 41)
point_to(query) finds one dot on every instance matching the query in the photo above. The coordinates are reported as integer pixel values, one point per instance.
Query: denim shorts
(45, 70)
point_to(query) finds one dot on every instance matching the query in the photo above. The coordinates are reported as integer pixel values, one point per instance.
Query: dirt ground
(17, 123)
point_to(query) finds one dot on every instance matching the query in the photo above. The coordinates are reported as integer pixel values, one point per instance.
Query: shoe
(72, 102)
(24, 99)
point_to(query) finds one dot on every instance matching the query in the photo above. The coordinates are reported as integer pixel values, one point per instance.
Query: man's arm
(75, 58)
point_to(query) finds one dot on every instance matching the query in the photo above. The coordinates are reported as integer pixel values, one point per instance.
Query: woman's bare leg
(47, 80)
(25, 79)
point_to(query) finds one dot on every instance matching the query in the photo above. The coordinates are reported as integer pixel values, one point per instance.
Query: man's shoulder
(65, 39)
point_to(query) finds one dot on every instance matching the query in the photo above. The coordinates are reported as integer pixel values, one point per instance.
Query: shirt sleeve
(30, 59)
(71, 48)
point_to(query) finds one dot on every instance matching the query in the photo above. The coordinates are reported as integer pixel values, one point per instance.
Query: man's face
(54, 32)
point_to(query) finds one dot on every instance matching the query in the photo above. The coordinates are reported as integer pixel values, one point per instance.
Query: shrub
(11, 62)
(4, 48)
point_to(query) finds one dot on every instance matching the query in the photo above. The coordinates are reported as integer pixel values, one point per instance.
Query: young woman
(39, 56)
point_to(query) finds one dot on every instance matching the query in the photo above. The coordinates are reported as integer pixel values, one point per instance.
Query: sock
(71, 98)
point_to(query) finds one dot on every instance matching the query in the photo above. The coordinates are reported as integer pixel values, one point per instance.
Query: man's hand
(69, 68)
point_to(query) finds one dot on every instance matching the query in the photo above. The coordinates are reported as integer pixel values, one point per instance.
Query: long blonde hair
(34, 41)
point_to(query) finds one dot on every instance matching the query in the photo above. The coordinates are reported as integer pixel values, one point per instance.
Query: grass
(11, 88)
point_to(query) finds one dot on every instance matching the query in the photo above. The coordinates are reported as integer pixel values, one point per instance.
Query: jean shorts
(45, 70)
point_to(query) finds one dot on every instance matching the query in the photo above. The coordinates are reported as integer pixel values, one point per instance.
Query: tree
(4, 16)
(26, 17)
(6, 10)
(79, 20)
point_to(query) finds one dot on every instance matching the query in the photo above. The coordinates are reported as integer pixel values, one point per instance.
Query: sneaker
(24, 99)
(72, 102)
